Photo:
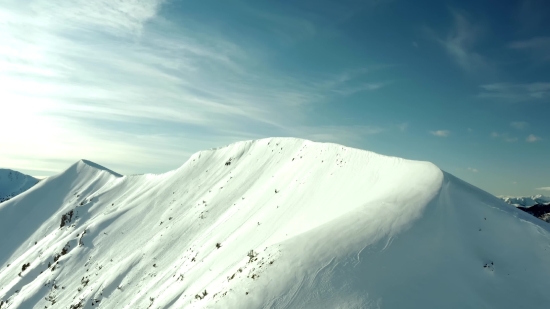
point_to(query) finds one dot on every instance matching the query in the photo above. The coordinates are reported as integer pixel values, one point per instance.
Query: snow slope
(13, 182)
(273, 223)
(526, 201)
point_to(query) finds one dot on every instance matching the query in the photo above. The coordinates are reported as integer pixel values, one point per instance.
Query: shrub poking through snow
(252, 256)
(66, 218)
(199, 296)
(25, 266)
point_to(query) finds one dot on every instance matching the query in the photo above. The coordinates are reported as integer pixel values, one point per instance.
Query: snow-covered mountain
(536, 205)
(13, 183)
(273, 223)
(526, 201)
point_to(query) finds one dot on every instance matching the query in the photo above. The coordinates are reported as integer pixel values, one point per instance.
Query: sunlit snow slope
(13, 183)
(273, 223)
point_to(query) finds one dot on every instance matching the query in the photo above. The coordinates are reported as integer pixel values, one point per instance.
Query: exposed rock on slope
(287, 223)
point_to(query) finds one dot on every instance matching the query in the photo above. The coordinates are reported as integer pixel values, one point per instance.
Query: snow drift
(273, 223)
(13, 183)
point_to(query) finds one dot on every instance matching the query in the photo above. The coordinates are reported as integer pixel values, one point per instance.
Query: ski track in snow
(272, 223)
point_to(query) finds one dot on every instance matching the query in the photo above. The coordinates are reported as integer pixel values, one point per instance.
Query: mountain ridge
(13, 183)
(272, 223)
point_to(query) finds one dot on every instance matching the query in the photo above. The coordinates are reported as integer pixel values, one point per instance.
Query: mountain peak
(83, 163)
(13, 183)
(272, 223)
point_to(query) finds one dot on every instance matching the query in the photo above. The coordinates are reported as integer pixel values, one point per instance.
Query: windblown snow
(13, 183)
(272, 223)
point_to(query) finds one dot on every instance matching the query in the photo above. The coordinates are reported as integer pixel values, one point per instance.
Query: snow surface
(526, 201)
(13, 183)
(273, 223)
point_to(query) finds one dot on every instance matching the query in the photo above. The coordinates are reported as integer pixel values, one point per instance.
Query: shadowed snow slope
(273, 223)
(13, 183)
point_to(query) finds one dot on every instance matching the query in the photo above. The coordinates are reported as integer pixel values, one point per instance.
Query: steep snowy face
(273, 223)
(13, 183)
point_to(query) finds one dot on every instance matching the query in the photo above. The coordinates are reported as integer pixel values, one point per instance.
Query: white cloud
(532, 138)
(473, 170)
(519, 124)
(441, 133)
(544, 188)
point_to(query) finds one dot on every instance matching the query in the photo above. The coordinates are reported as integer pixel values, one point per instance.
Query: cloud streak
(459, 44)
(515, 92)
(440, 133)
(113, 75)
(538, 47)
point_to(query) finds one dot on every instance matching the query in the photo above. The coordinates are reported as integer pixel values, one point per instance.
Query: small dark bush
(66, 218)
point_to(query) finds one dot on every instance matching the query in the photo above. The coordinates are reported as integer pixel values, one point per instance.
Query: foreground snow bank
(273, 223)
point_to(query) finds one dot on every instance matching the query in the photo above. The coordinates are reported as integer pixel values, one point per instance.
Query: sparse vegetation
(252, 256)
(66, 218)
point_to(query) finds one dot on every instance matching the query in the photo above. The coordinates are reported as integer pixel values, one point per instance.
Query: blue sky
(139, 85)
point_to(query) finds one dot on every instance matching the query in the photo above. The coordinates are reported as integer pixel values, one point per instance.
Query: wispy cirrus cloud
(515, 92)
(544, 188)
(473, 170)
(350, 90)
(116, 16)
(354, 81)
(440, 133)
(115, 76)
(460, 41)
(538, 47)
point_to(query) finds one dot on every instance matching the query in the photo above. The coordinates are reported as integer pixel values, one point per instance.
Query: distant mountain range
(536, 205)
(13, 183)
